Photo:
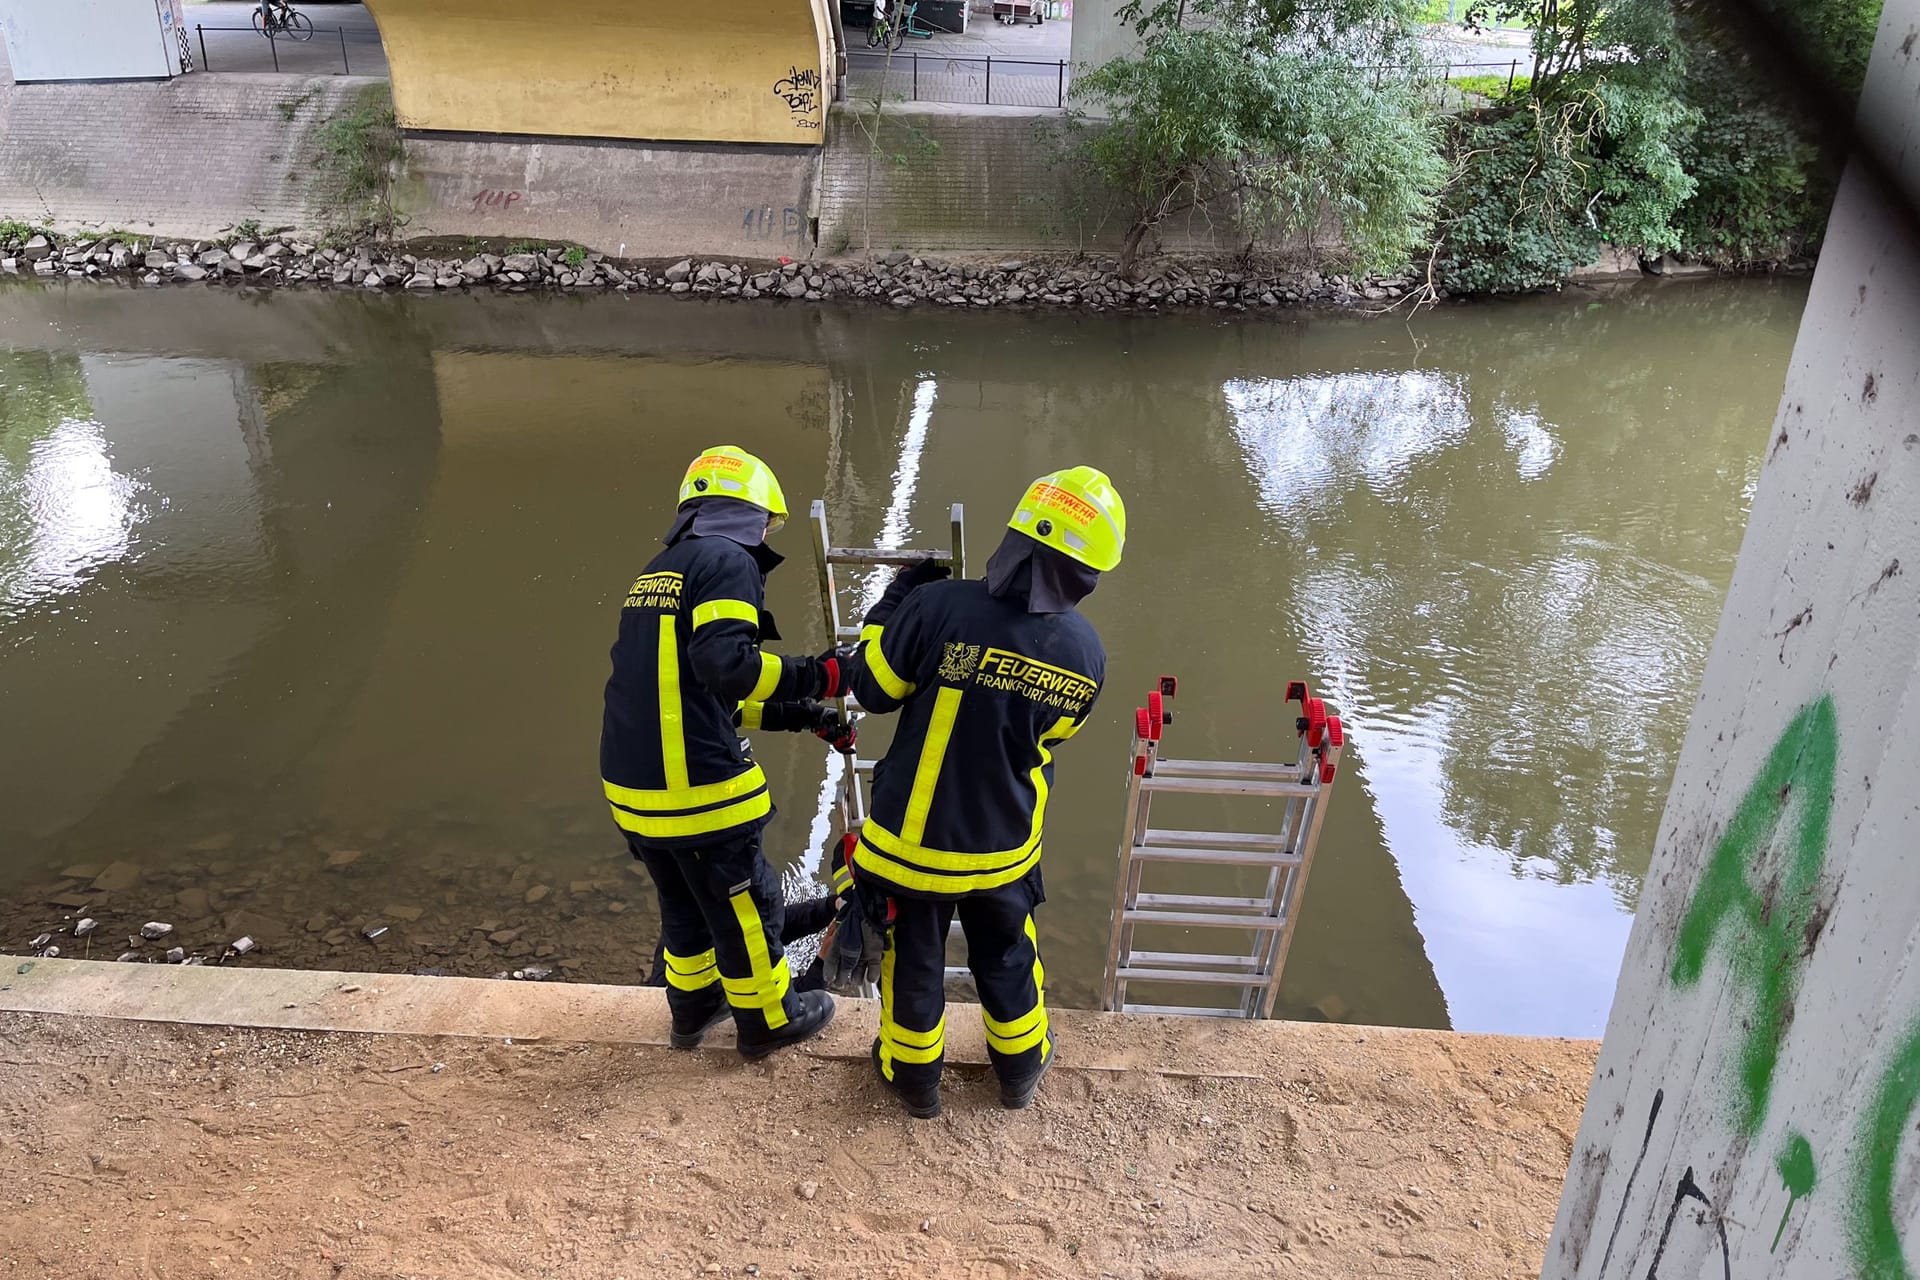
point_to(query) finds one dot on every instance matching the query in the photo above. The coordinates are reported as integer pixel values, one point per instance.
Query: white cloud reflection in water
(1372, 480)
(64, 511)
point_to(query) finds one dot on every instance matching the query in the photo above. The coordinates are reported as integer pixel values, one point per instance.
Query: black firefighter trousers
(721, 910)
(1004, 954)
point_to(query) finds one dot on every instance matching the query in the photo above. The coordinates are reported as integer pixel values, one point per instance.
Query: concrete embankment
(269, 1122)
(189, 157)
(208, 152)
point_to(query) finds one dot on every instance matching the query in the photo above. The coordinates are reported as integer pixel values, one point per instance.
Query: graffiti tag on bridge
(800, 90)
(491, 199)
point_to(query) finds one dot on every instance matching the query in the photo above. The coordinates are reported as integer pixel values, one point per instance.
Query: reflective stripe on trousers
(721, 911)
(1003, 953)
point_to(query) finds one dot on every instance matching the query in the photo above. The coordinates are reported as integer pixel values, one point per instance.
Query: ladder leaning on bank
(1285, 856)
(857, 778)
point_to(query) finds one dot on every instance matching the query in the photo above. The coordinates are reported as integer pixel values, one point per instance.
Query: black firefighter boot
(921, 1104)
(694, 1017)
(1016, 1095)
(808, 1013)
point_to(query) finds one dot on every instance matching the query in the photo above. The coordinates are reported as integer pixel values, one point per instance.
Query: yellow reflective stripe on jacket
(672, 800)
(769, 678)
(715, 610)
(871, 631)
(751, 714)
(915, 866)
(673, 736)
(703, 823)
(906, 876)
(926, 777)
(765, 988)
(884, 841)
(883, 673)
(842, 878)
(692, 973)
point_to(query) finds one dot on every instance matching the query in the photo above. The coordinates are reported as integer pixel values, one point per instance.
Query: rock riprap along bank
(898, 279)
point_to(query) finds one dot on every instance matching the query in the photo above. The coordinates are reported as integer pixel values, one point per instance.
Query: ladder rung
(1228, 769)
(1200, 902)
(1213, 977)
(876, 555)
(1181, 1010)
(1226, 786)
(1204, 920)
(1192, 959)
(1217, 857)
(957, 972)
(1157, 838)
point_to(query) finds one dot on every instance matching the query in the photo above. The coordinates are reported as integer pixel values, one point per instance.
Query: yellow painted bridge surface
(751, 71)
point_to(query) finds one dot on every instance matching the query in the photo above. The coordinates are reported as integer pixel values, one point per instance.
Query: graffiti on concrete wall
(764, 222)
(501, 200)
(1764, 916)
(800, 90)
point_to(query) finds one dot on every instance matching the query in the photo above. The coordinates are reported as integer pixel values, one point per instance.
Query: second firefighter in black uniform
(688, 672)
(989, 676)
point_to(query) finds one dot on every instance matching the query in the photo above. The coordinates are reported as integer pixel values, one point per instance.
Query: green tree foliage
(1257, 109)
(1646, 126)
(1764, 178)
(1595, 151)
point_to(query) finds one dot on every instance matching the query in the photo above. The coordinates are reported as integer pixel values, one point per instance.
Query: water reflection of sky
(1472, 674)
(66, 510)
(1305, 436)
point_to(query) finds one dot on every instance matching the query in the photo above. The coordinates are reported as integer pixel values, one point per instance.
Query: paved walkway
(345, 40)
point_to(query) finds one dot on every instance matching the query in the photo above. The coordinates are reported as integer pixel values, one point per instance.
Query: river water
(305, 602)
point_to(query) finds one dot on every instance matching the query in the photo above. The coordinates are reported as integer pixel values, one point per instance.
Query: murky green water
(289, 579)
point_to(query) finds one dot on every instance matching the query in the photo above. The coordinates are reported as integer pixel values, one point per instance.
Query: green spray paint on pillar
(1795, 1164)
(1766, 920)
(1873, 1236)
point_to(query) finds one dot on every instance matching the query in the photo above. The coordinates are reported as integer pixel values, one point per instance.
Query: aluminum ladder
(1286, 855)
(856, 779)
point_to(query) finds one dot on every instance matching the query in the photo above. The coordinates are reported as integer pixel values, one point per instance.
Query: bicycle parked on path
(276, 18)
(883, 30)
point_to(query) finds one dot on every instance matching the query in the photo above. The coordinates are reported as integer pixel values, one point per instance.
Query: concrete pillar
(1756, 1108)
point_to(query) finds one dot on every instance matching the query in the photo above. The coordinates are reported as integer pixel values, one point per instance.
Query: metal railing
(984, 81)
(274, 42)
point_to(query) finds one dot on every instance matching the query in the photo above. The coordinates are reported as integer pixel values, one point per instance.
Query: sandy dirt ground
(132, 1149)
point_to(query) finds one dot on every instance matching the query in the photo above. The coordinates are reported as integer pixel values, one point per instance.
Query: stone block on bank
(1666, 266)
(116, 876)
(1613, 264)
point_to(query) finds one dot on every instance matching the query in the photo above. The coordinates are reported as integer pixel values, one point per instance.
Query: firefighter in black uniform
(989, 676)
(688, 673)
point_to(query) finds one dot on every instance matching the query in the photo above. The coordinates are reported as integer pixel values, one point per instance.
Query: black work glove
(904, 583)
(856, 941)
(827, 724)
(831, 666)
